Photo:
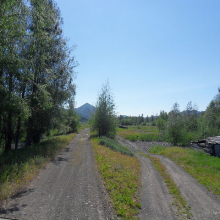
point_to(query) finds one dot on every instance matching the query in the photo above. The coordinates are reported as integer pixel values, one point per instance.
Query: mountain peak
(85, 111)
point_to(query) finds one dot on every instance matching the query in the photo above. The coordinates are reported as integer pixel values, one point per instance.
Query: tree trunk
(9, 121)
(1, 135)
(9, 133)
(19, 125)
(29, 132)
(18, 133)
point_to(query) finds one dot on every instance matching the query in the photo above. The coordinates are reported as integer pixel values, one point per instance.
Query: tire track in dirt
(155, 198)
(69, 188)
(156, 202)
(204, 205)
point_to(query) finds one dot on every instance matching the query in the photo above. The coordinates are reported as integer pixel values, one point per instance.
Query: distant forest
(36, 73)
(182, 127)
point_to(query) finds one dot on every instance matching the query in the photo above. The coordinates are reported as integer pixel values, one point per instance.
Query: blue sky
(153, 52)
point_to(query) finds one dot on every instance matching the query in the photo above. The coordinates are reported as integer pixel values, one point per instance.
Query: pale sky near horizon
(153, 52)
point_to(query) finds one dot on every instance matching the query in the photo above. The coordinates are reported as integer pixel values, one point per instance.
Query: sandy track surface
(155, 199)
(204, 205)
(69, 188)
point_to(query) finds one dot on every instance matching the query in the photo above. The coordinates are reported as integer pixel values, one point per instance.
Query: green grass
(121, 174)
(83, 126)
(18, 168)
(179, 202)
(206, 169)
(114, 145)
(140, 133)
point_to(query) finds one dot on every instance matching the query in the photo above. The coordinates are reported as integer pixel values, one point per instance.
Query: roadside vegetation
(140, 133)
(179, 202)
(37, 90)
(19, 167)
(37, 87)
(104, 120)
(115, 146)
(178, 128)
(197, 163)
(121, 175)
(118, 166)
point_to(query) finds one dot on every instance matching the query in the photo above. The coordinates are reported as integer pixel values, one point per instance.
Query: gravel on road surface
(204, 205)
(156, 202)
(68, 188)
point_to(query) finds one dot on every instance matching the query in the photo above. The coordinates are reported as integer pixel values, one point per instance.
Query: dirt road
(204, 205)
(69, 188)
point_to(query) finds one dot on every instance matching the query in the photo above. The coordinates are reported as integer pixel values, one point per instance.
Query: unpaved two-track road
(69, 188)
(156, 201)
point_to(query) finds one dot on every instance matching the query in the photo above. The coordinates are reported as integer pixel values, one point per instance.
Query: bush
(104, 119)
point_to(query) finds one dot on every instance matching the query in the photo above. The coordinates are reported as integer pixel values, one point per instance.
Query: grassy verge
(179, 202)
(201, 166)
(18, 168)
(121, 174)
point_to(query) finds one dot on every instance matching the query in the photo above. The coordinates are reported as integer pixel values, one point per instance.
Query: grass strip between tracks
(19, 167)
(179, 202)
(204, 168)
(121, 174)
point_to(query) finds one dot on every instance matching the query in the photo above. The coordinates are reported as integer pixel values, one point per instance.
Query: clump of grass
(179, 202)
(121, 175)
(114, 145)
(18, 168)
(201, 166)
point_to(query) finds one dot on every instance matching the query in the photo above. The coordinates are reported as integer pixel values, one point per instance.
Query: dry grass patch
(121, 174)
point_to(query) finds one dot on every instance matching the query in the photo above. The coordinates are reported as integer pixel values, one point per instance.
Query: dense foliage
(36, 73)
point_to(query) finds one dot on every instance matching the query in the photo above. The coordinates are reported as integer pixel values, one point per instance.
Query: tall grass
(206, 169)
(121, 174)
(18, 168)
